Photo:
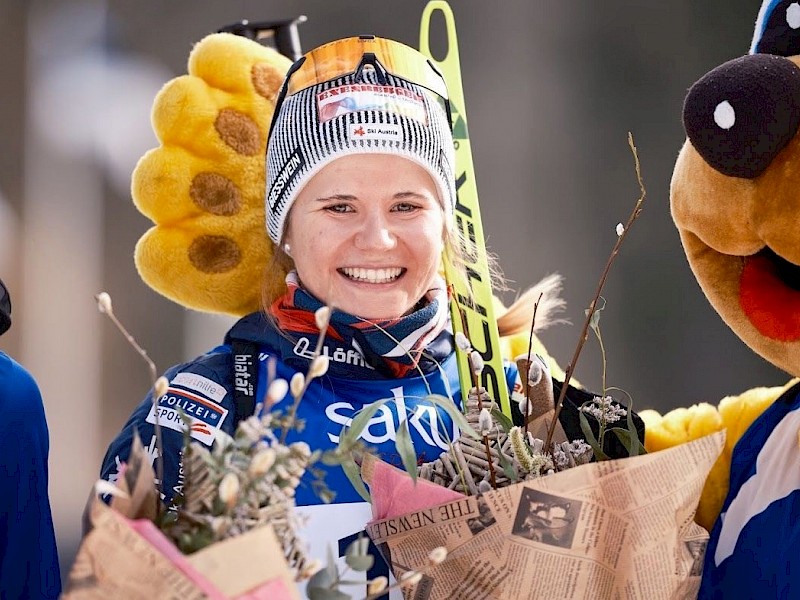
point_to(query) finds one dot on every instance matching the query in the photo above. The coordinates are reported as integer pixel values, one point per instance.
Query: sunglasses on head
(350, 56)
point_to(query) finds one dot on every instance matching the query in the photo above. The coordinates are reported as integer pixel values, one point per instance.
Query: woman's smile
(367, 275)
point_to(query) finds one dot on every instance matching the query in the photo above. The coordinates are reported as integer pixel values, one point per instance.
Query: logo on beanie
(367, 97)
(285, 176)
(376, 131)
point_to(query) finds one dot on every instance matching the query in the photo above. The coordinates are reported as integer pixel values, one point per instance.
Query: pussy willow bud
(485, 423)
(410, 578)
(161, 386)
(525, 406)
(462, 342)
(322, 317)
(620, 229)
(535, 372)
(476, 360)
(310, 569)
(276, 391)
(281, 472)
(377, 585)
(262, 462)
(104, 303)
(229, 489)
(319, 366)
(437, 555)
(297, 383)
(302, 448)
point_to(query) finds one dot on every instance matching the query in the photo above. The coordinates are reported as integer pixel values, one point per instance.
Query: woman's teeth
(373, 275)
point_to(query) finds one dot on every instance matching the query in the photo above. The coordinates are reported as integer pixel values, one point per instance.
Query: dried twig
(104, 306)
(527, 375)
(637, 209)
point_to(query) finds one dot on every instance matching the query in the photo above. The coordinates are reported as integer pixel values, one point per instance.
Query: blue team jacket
(204, 390)
(754, 550)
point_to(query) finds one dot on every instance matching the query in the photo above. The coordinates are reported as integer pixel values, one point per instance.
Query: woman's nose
(375, 233)
(741, 115)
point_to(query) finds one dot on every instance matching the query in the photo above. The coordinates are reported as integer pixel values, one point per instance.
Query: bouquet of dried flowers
(232, 532)
(520, 511)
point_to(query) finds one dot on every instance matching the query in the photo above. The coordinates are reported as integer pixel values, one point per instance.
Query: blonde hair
(517, 317)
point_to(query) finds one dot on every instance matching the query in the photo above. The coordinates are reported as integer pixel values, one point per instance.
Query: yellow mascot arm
(734, 414)
(203, 187)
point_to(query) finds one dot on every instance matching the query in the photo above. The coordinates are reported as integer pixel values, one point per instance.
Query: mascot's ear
(777, 28)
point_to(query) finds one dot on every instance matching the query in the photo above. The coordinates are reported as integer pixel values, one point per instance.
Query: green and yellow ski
(477, 308)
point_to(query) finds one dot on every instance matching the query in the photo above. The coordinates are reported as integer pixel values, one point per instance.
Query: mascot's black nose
(741, 114)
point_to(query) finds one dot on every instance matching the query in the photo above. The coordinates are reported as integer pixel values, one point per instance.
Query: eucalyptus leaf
(502, 419)
(321, 579)
(594, 321)
(324, 593)
(361, 420)
(636, 445)
(590, 438)
(405, 448)
(360, 562)
(508, 467)
(330, 567)
(358, 547)
(354, 475)
(626, 439)
(447, 405)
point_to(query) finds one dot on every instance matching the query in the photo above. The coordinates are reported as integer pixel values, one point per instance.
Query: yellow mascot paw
(203, 187)
(735, 414)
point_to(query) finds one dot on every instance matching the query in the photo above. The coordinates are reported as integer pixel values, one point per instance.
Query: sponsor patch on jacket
(198, 398)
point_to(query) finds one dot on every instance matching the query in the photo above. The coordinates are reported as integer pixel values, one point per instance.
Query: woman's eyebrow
(404, 195)
(337, 197)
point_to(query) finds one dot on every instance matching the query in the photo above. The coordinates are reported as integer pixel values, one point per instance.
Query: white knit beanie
(346, 116)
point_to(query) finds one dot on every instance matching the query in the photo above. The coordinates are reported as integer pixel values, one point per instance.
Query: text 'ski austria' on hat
(362, 95)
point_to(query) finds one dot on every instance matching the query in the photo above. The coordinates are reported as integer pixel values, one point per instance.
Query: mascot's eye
(781, 30)
(741, 115)
(793, 15)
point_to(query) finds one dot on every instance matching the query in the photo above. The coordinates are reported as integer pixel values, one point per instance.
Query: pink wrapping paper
(394, 493)
(274, 589)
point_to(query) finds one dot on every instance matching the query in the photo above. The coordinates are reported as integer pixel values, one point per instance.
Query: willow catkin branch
(104, 304)
(527, 375)
(637, 209)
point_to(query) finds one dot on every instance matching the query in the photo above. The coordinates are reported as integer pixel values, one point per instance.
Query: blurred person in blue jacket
(28, 557)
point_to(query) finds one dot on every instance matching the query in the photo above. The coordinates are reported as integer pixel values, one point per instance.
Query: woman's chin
(374, 308)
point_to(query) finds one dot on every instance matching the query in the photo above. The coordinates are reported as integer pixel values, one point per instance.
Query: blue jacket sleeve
(201, 390)
(28, 557)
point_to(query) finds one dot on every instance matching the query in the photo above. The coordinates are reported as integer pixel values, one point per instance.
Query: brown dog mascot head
(736, 187)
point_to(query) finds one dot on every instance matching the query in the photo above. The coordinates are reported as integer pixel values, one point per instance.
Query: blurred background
(551, 88)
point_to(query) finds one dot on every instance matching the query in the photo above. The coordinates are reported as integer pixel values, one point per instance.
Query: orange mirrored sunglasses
(351, 55)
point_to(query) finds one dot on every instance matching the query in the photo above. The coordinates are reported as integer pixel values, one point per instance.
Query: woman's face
(366, 235)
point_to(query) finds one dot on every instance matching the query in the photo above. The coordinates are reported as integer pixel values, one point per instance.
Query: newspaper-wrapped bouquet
(232, 530)
(233, 535)
(137, 549)
(521, 512)
(621, 528)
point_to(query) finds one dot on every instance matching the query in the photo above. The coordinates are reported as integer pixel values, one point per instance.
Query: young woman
(359, 202)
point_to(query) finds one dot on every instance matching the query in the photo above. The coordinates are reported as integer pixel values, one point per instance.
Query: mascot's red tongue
(771, 306)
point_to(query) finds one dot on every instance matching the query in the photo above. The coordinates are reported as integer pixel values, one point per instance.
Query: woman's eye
(405, 207)
(339, 208)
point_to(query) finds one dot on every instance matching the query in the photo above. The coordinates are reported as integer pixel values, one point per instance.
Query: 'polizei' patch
(357, 97)
(198, 397)
(376, 131)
